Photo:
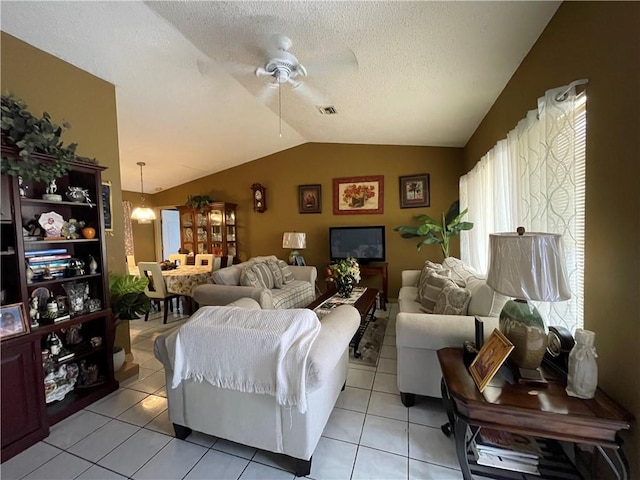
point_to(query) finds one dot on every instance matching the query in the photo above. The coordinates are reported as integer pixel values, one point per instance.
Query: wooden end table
(546, 413)
(366, 306)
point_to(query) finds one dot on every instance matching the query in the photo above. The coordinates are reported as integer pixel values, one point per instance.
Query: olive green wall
(599, 41)
(49, 84)
(316, 163)
(143, 234)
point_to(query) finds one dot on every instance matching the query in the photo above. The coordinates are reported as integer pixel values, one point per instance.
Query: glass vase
(344, 286)
(76, 293)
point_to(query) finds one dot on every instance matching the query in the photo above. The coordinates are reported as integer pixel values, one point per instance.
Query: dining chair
(156, 288)
(204, 259)
(131, 265)
(179, 258)
(217, 264)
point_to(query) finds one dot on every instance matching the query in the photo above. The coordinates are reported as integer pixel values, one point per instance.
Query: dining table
(183, 280)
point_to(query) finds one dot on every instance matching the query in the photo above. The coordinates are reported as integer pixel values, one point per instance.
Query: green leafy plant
(433, 232)
(30, 135)
(128, 300)
(199, 202)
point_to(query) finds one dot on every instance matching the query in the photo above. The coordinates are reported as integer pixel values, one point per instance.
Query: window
(535, 178)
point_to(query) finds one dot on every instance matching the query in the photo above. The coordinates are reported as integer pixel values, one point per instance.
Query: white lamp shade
(143, 215)
(528, 267)
(295, 240)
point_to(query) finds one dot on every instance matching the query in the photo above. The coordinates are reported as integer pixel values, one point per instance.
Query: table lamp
(527, 266)
(295, 241)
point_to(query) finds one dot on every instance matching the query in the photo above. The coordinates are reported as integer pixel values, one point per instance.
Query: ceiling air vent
(330, 110)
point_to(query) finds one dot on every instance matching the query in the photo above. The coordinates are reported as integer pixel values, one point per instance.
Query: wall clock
(259, 198)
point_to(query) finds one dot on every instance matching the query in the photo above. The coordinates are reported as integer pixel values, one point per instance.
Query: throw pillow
(427, 269)
(264, 274)
(453, 300)
(248, 278)
(431, 289)
(287, 274)
(276, 273)
(460, 271)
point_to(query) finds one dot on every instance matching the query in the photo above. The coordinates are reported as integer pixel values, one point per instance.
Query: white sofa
(420, 335)
(257, 420)
(298, 293)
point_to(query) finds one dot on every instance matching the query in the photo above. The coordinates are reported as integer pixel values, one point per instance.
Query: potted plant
(432, 232)
(128, 302)
(199, 202)
(30, 134)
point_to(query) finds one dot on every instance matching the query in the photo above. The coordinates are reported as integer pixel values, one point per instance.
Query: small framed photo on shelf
(490, 358)
(13, 321)
(414, 191)
(299, 261)
(310, 198)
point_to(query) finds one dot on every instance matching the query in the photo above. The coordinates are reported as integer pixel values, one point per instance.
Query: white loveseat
(258, 420)
(298, 292)
(420, 335)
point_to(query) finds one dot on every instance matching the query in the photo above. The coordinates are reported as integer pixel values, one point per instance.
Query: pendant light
(142, 214)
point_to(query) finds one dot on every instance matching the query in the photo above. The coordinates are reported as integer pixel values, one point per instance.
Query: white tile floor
(370, 434)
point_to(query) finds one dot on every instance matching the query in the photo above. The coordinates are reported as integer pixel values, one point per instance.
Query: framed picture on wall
(358, 195)
(107, 206)
(414, 191)
(310, 198)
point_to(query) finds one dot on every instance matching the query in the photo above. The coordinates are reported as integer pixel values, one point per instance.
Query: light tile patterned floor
(370, 434)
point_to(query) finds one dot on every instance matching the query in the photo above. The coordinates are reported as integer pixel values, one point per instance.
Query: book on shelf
(49, 258)
(508, 443)
(40, 253)
(516, 464)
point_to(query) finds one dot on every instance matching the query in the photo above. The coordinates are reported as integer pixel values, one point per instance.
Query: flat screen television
(366, 244)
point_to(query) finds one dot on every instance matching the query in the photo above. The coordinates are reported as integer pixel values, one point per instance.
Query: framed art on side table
(358, 195)
(490, 358)
(414, 191)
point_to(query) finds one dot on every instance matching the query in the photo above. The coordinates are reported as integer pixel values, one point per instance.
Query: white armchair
(258, 420)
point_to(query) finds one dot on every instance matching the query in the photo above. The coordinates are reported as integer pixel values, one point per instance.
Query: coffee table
(547, 413)
(366, 306)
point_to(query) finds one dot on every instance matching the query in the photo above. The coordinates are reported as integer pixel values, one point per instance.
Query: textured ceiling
(398, 73)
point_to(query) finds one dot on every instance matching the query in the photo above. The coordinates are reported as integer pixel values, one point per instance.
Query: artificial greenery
(432, 232)
(30, 135)
(128, 300)
(199, 202)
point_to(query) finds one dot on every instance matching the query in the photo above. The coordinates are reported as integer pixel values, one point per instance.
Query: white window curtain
(128, 228)
(535, 178)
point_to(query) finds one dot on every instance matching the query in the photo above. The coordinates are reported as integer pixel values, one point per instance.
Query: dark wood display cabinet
(56, 366)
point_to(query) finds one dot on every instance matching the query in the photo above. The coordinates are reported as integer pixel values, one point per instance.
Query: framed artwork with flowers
(358, 195)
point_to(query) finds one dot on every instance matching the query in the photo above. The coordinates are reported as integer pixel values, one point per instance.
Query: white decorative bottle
(582, 378)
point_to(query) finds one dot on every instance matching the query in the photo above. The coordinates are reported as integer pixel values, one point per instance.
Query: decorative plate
(52, 223)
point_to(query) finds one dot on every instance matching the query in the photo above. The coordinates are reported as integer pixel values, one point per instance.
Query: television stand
(374, 269)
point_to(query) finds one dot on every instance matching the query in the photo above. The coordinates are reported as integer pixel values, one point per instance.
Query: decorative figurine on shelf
(93, 265)
(22, 188)
(51, 194)
(34, 313)
(29, 275)
(71, 229)
(72, 335)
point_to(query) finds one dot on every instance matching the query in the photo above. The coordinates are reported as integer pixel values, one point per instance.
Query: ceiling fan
(282, 67)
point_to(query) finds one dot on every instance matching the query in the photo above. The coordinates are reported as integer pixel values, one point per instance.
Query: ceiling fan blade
(267, 92)
(310, 94)
(329, 62)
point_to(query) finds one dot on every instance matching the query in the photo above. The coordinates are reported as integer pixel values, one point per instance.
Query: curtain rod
(563, 96)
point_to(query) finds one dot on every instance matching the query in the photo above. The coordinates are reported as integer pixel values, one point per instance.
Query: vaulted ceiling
(189, 103)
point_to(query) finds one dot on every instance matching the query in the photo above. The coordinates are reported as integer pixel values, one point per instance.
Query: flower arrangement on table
(345, 274)
(357, 195)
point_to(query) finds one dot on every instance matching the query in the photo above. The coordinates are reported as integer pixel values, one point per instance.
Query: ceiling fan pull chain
(280, 106)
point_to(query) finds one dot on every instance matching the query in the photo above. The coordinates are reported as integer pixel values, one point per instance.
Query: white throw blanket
(255, 351)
